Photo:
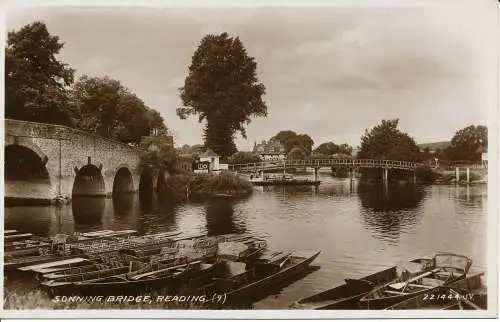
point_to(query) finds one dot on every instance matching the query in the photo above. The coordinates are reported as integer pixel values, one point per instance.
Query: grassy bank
(203, 186)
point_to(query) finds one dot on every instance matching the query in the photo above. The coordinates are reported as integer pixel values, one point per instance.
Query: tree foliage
(105, 107)
(291, 140)
(242, 157)
(330, 148)
(35, 81)
(468, 143)
(222, 88)
(386, 141)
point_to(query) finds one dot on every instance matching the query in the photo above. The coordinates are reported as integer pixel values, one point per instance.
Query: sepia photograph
(305, 160)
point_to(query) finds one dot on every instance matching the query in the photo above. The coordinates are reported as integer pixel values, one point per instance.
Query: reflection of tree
(221, 219)
(387, 210)
(158, 212)
(88, 211)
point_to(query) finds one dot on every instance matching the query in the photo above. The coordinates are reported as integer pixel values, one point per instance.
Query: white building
(210, 162)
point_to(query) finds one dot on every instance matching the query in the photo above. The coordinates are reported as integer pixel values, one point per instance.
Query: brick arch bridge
(45, 161)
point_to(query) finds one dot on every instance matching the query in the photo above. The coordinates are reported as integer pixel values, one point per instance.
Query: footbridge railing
(320, 163)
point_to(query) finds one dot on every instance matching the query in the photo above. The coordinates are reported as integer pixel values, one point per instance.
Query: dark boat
(281, 180)
(244, 282)
(466, 294)
(347, 295)
(165, 278)
(64, 251)
(443, 269)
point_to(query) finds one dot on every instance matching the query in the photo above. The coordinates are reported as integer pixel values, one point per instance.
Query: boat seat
(420, 285)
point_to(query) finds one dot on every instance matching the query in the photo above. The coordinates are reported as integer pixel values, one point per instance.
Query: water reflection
(88, 211)
(472, 196)
(389, 210)
(221, 219)
(123, 205)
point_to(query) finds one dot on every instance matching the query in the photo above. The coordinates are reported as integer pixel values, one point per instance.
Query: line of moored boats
(240, 266)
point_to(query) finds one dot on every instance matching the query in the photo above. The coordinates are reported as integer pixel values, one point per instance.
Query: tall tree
(35, 81)
(104, 106)
(468, 143)
(222, 88)
(386, 141)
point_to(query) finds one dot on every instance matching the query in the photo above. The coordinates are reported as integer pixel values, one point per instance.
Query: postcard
(248, 160)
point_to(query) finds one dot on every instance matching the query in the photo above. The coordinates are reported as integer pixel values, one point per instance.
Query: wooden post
(316, 173)
(457, 174)
(468, 175)
(414, 176)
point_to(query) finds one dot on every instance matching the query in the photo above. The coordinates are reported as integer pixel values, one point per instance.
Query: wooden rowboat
(466, 294)
(346, 296)
(244, 282)
(442, 270)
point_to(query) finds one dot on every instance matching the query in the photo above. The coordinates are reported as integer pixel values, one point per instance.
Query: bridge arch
(25, 171)
(123, 181)
(89, 181)
(26, 143)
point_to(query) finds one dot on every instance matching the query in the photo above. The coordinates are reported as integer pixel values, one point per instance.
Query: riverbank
(204, 186)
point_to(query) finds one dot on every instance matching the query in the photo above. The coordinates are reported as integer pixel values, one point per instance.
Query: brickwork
(64, 151)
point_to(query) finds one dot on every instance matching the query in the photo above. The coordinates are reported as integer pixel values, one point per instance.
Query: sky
(330, 72)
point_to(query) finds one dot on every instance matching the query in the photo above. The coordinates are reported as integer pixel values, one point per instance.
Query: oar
(400, 285)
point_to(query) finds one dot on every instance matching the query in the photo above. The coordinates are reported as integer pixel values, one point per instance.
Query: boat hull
(286, 183)
(346, 296)
(252, 290)
(385, 302)
(163, 285)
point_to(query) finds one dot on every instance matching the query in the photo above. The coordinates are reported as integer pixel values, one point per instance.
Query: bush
(426, 174)
(200, 186)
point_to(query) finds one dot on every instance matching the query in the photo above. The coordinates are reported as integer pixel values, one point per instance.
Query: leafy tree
(222, 88)
(291, 139)
(104, 106)
(242, 157)
(386, 141)
(35, 81)
(296, 153)
(327, 148)
(345, 148)
(468, 143)
(285, 136)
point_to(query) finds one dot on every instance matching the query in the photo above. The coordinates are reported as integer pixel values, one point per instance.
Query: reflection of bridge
(321, 163)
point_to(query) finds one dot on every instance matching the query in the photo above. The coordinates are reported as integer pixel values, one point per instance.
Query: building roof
(208, 153)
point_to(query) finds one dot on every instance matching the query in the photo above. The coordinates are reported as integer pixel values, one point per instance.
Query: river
(359, 229)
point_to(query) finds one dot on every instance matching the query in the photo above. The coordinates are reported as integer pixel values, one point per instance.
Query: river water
(359, 229)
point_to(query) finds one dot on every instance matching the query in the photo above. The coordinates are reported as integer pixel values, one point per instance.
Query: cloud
(330, 72)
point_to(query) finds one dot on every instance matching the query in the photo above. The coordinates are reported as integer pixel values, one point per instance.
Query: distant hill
(435, 145)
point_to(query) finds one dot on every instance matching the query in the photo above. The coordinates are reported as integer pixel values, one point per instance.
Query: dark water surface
(360, 229)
